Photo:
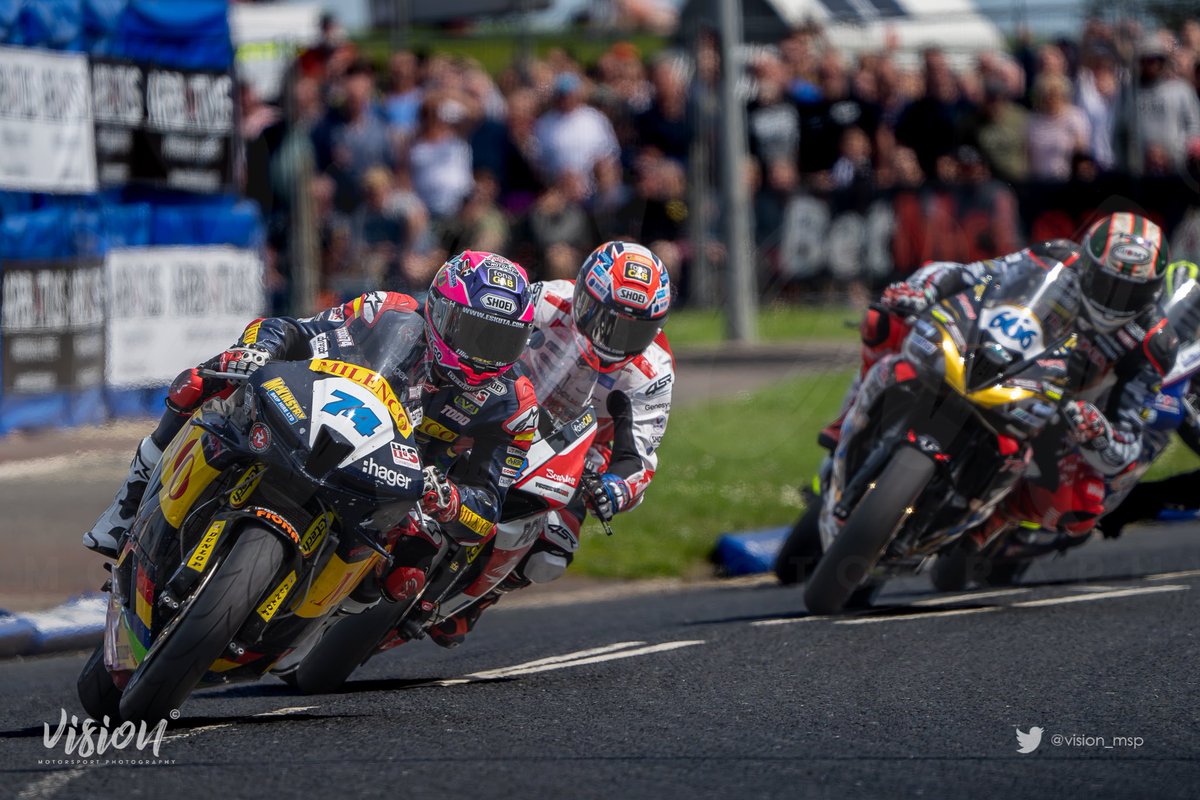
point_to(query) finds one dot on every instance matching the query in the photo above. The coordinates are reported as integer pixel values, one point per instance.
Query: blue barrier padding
(51, 24)
(74, 625)
(186, 35)
(749, 553)
(99, 20)
(124, 403)
(17, 635)
(1178, 515)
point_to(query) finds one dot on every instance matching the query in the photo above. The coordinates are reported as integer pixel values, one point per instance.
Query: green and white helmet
(1124, 268)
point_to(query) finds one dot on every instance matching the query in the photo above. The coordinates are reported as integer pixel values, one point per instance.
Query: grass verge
(736, 465)
(697, 327)
(724, 466)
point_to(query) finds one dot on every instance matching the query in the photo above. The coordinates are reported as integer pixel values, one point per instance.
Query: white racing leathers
(566, 384)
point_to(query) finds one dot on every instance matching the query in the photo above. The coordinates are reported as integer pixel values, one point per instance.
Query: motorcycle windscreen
(392, 344)
(562, 379)
(1028, 309)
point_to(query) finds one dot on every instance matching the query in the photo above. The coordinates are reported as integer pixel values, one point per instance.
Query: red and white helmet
(622, 297)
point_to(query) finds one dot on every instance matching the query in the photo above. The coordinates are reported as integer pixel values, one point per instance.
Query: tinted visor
(612, 334)
(479, 338)
(1120, 296)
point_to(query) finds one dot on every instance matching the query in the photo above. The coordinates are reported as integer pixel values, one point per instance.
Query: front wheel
(802, 548)
(205, 628)
(100, 696)
(872, 524)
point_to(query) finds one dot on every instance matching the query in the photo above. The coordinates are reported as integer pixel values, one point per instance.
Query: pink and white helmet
(479, 315)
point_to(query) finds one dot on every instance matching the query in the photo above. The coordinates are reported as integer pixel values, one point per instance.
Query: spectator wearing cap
(572, 136)
(1164, 116)
(1057, 129)
(440, 159)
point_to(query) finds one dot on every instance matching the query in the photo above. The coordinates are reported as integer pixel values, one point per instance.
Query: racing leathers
(566, 384)
(466, 432)
(1112, 374)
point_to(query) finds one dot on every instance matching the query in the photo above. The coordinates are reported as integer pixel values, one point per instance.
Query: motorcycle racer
(598, 341)
(471, 414)
(1125, 347)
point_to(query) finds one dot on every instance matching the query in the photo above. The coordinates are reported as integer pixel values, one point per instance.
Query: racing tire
(952, 569)
(99, 695)
(871, 526)
(802, 549)
(205, 627)
(1004, 573)
(346, 645)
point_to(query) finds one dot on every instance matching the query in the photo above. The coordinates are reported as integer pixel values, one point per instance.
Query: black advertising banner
(52, 325)
(173, 128)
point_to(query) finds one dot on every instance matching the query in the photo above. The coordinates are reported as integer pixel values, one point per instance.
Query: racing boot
(453, 631)
(105, 536)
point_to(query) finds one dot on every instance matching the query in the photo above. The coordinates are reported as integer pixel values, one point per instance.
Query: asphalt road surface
(710, 691)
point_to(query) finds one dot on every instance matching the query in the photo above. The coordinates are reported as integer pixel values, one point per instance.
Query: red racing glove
(243, 360)
(905, 300)
(1087, 426)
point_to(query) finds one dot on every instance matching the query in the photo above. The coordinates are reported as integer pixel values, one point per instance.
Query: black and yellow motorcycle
(265, 512)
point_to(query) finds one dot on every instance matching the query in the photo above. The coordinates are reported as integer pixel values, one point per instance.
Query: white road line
(596, 655)
(283, 712)
(759, 623)
(1083, 598)
(640, 651)
(1093, 587)
(957, 612)
(954, 598)
(49, 784)
(1170, 576)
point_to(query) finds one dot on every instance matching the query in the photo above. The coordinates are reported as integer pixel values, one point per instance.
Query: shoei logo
(633, 297)
(504, 304)
(1028, 742)
(1131, 254)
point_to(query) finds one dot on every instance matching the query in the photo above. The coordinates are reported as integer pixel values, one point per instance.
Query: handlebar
(228, 376)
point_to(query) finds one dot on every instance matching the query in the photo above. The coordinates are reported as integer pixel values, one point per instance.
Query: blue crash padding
(749, 553)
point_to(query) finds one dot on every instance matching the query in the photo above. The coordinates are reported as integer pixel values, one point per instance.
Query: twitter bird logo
(1029, 741)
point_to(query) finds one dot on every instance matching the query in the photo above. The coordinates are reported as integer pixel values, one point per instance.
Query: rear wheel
(205, 627)
(100, 696)
(872, 524)
(802, 549)
(344, 646)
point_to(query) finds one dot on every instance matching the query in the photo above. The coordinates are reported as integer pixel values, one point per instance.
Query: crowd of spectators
(430, 154)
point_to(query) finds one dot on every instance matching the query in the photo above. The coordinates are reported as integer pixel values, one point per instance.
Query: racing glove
(440, 500)
(907, 301)
(1086, 425)
(243, 360)
(607, 495)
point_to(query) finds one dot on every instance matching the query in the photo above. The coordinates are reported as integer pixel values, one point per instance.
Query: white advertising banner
(46, 122)
(169, 308)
